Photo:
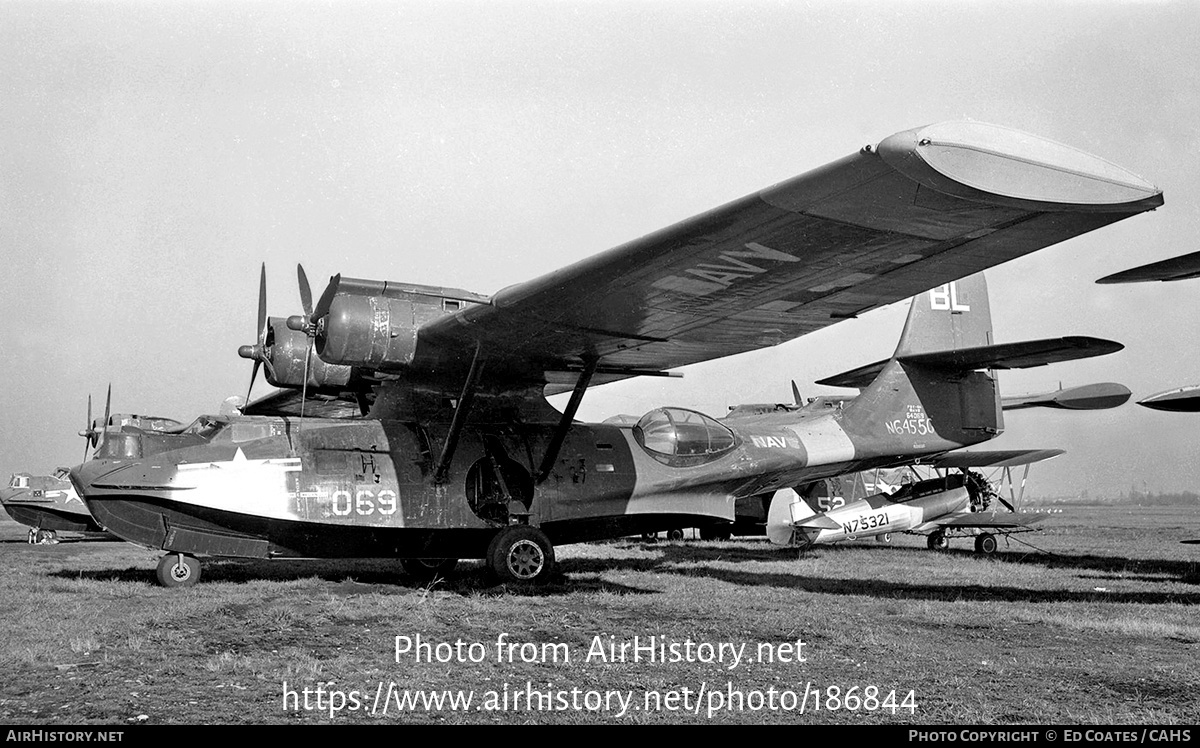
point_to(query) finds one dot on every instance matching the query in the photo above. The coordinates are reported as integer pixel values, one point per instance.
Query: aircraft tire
(649, 536)
(938, 541)
(178, 570)
(676, 534)
(520, 554)
(985, 543)
(47, 537)
(428, 569)
(884, 538)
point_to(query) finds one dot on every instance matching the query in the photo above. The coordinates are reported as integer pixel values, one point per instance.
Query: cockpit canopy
(683, 438)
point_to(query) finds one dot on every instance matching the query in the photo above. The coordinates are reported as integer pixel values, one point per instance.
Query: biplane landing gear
(938, 541)
(521, 554)
(178, 570)
(985, 543)
(428, 569)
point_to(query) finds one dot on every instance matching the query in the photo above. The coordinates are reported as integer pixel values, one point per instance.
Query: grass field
(1101, 625)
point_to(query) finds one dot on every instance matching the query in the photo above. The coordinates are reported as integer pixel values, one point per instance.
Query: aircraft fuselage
(281, 487)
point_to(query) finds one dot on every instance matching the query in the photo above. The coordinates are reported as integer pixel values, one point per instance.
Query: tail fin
(922, 398)
(956, 315)
(937, 389)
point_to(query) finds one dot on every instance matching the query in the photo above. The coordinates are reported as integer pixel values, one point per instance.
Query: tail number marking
(945, 299)
(862, 524)
(364, 503)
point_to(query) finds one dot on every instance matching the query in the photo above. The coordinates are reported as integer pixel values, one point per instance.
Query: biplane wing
(922, 208)
(1006, 520)
(991, 458)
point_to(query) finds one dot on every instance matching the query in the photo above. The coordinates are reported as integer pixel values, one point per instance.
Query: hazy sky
(152, 155)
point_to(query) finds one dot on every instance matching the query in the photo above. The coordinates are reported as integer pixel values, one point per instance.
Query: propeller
(259, 353)
(796, 395)
(91, 434)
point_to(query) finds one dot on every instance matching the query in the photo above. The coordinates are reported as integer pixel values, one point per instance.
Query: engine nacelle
(368, 331)
(287, 349)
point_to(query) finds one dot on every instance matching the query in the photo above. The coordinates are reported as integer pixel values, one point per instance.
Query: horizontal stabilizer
(1100, 396)
(983, 458)
(1002, 356)
(817, 522)
(1182, 400)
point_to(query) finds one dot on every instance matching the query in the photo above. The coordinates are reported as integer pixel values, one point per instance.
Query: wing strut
(564, 424)
(460, 415)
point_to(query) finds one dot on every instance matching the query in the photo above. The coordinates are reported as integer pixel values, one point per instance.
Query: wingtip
(977, 160)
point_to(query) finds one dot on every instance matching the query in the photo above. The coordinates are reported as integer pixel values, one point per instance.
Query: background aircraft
(752, 513)
(1184, 267)
(463, 457)
(48, 504)
(962, 503)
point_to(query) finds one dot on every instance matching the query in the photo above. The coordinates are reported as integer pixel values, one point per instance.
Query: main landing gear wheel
(47, 537)
(521, 554)
(178, 570)
(938, 541)
(985, 543)
(675, 534)
(884, 538)
(428, 569)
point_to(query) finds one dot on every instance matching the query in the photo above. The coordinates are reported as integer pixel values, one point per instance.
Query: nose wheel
(178, 570)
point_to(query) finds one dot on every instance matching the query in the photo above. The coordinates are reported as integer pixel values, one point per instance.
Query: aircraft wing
(991, 458)
(922, 208)
(1181, 400)
(1183, 267)
(984, 519)
(1099, 396)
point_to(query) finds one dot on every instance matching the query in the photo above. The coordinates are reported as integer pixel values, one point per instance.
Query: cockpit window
(206, 426)
(681, 438)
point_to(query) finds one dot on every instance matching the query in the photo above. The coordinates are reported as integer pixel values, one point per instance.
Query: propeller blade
(304, 389)
(87, 431)
(253, 375)
(1009, 506)
(326, 298)
(107, 414)
(305, 291)
(262, 306)
(796, 394)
